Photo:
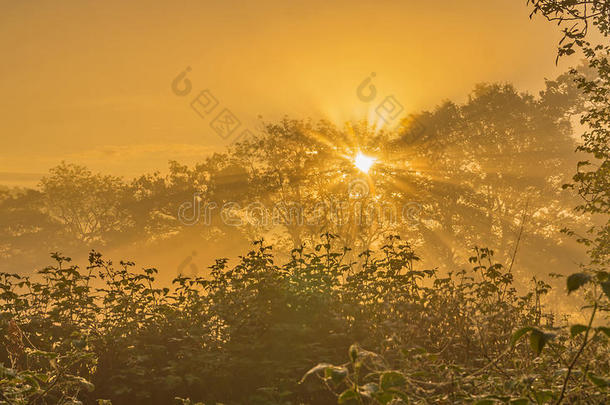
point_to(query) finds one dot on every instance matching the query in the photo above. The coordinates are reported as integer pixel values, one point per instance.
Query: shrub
(247, 334)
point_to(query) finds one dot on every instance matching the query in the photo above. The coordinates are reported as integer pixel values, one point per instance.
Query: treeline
(481, 172)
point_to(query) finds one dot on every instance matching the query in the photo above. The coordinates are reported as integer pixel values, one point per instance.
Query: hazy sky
(90, 81)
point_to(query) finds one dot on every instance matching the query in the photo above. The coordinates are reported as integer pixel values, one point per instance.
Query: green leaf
(392, 379)
(605, 330)
(30, 380)
(519, 401)
(84, 383)
(336, 374)
(519, 333)
(538, 339)
(349, 397)
(606, 288)
(485, 401)
(369, 389)
(316, 369)
(79, 343)
(353, 353)
(577, 280)
(543, 396)
(48, 355)
(599, 381)
(384, 397)
(577, 330)
(400, 394)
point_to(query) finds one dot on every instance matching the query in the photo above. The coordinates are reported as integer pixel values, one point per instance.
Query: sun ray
(364, 162)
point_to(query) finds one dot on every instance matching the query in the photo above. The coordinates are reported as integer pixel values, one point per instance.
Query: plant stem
(580, 350)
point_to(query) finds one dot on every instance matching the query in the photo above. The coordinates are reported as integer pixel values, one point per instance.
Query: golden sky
(90, 81)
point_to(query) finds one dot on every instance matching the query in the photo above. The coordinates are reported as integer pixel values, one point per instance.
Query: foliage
(248, 333)
(581, 22)
(476, 166)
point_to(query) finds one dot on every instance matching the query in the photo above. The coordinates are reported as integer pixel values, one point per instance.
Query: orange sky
(89, 81)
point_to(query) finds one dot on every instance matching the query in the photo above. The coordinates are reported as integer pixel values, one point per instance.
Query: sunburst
(364, 162)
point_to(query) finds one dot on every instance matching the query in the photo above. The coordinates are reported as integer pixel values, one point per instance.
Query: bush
(247, 334)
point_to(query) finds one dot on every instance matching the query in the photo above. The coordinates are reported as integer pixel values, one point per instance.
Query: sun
(363, 162)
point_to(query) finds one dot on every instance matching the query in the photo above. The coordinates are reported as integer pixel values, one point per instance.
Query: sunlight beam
(363, 162)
